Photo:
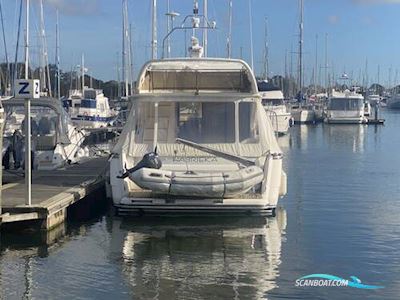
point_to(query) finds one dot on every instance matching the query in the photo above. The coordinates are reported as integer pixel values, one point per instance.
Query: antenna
(205, 32)
(229, 40)
(154, 30)
(171, 15)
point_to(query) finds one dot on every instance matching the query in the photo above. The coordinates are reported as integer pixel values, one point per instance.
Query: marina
(219, 153)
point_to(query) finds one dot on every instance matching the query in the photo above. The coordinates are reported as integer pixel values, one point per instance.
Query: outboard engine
(150, 160)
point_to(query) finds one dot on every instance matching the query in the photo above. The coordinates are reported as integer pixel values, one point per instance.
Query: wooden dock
(52, 192)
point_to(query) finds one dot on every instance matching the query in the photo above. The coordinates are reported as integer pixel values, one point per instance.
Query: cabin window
(272, 102)
(345, 104)
(207, 122)
(248, 129)
(88, 103)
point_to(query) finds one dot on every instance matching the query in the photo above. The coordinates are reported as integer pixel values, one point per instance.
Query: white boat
(346, 108)
(89, 109)
(232, 162)
(56, 141)
(303, 114)
(393, 101)
(273, 102)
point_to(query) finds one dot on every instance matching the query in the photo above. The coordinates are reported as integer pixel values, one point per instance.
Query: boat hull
(156, 206)
(303, 116)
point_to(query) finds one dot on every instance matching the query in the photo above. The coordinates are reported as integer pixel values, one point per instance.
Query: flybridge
(205, 75)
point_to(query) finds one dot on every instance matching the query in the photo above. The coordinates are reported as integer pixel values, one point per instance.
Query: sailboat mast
(154, 30)
(229, 42)
(251, 36)
(316, 65)
(266, 50)
(27, 41)
(58, 56)
(130, 60)
(45, 59)
(125, 48)
(301, 28)
(205, 32)
(83, 73)
(326, 63)
(7, 77)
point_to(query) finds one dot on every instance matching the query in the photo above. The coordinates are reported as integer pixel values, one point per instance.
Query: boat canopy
(238, 127)
(196, 75)
(51, 103)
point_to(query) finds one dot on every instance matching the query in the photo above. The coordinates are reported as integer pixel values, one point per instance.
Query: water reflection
(203, 258)
(18, 252)
(346, 136)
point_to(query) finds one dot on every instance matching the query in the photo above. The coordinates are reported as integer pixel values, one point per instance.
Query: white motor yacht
(89, 109)
(346, 108)
(197, 140)
(273, 102)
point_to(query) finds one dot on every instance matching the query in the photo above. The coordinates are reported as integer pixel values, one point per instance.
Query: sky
(362, 34)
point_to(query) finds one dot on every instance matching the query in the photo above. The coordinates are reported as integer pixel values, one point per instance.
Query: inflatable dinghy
(198, 184)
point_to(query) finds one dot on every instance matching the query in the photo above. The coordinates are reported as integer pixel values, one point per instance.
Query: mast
(265, 73)
(8, 75)
(205, 32)
(316, 64)
(301, 28)
(83, 73)
(154, 30)
(326, 63)
(126, 51)
(130, 60)
(58, 56)
(27, 41)
(46, 84)
(229, 41)
(251, 37)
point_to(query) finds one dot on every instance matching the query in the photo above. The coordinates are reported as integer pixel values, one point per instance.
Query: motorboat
(203, 119)
(89, 108)
(303, 114)
(346, 108)
(56, 141)
(273, 102)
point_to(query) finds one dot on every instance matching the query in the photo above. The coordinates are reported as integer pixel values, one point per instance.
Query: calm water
(341, 216)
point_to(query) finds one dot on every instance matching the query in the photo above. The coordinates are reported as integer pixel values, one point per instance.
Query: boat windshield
(272, 102)
(236, 127)
(345, 104)
(88, 103)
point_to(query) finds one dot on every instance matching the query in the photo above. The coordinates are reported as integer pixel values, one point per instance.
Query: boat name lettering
(195, 159)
